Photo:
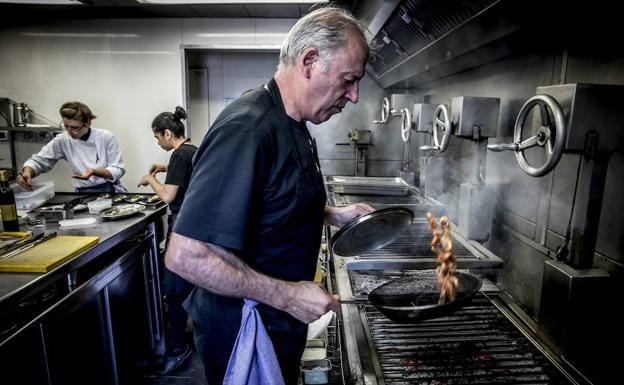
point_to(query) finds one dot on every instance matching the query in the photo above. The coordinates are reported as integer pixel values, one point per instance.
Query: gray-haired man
(251, 224)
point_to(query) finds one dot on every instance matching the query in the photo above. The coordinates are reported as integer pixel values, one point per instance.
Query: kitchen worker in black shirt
(251, 223)
(168, 129)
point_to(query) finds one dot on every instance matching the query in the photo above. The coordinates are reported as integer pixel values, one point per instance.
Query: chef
(251, 222)
(93, 154)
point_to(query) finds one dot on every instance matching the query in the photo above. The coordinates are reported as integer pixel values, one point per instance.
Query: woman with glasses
(93, 154)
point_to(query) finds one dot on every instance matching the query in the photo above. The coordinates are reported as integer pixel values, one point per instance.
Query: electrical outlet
(4, 135)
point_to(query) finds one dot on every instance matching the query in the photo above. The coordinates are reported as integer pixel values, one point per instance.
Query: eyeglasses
(67, 127)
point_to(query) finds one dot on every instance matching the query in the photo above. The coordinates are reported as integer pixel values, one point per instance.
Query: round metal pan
(371, 231)
(415, 298)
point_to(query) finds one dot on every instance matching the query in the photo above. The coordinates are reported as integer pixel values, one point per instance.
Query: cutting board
(47, 255)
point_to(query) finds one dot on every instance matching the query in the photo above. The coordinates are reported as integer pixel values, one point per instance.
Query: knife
(18, 244)
(39, 238)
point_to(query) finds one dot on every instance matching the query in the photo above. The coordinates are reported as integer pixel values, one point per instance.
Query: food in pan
(442, 246)
(153, 199)
(134, 198)
(119, 198)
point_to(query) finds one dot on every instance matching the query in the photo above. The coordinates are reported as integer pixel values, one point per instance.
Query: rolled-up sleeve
(44, 160)
(115, 162)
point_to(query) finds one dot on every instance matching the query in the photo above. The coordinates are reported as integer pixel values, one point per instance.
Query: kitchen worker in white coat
(93, 154)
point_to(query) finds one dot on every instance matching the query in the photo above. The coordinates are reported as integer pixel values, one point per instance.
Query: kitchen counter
(96, 315)
(16, 286)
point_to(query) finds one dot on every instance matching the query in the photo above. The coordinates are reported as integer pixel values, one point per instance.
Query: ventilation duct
(421, 40)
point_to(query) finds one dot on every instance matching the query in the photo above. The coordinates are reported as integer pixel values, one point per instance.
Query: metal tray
(120, 212)
(367, 185)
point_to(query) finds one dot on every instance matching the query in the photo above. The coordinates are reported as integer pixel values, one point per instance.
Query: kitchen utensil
(317, 327)
(56, 213)
(11, 240)
(29, 244)
(371, 231)
(415, 298)
(20, 114)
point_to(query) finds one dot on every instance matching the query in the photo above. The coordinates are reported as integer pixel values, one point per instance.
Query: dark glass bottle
(7, 203)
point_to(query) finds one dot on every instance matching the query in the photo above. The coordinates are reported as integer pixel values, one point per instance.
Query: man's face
(332, 87)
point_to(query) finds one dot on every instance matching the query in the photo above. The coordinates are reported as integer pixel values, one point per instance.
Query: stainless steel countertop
(16, 286)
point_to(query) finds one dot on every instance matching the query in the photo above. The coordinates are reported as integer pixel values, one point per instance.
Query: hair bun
(179, 113)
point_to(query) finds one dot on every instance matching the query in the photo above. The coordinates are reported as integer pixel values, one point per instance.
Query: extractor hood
(421, 40)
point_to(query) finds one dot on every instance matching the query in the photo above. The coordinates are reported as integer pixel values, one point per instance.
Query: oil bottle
(8, 209)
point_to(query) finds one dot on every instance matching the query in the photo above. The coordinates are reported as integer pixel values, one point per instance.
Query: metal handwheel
(550, 135)
(406, 124)
(385, 111)
(443, 123)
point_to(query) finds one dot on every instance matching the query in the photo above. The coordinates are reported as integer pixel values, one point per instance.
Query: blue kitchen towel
(253, 360)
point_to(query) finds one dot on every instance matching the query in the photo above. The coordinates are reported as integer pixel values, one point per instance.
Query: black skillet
(415, 298)
(406, 300)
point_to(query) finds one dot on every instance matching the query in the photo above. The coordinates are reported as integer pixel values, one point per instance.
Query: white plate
(317, 327)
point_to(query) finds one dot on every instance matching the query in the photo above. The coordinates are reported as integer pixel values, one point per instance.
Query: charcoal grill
(480, 343)
(484, 342)
(474, 345)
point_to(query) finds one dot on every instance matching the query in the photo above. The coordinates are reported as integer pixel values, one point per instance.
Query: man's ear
(307, 59)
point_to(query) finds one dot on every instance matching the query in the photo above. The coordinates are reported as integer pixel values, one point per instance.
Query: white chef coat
(101, 149)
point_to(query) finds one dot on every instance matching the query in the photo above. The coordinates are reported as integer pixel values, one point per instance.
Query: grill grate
(474, 345)
(416, 241)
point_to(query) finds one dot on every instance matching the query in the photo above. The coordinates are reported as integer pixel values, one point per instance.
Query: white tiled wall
(127, 71)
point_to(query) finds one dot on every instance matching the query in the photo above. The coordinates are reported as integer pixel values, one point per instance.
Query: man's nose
(353, 93)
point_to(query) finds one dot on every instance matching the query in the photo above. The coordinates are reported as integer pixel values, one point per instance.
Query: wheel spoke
(528, 143)
(549, 147)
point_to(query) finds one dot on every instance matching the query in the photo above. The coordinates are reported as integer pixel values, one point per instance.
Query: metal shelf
(32, 129)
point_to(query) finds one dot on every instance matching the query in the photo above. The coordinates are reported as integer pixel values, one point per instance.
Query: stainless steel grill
(418, 205)
(475, 345)
(416, 241)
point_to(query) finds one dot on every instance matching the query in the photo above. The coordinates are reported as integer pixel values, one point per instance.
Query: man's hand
(156, 168)
(85, 175)
(340, 216)
(308, 301)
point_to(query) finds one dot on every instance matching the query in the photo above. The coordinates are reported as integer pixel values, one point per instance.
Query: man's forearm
(214, 268)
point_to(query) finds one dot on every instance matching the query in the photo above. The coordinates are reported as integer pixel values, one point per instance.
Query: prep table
(97, 316)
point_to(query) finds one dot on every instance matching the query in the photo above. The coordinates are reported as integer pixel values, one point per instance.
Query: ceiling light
(232, 1)
(43, 2)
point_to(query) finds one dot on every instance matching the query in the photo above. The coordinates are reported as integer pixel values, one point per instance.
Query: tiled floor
(191, 373)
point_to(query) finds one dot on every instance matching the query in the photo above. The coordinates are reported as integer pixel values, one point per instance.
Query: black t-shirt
(256, 188)
(179, 173)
